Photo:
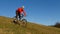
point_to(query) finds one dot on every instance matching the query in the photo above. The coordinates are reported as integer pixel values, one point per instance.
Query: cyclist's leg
(16, 15)
(19, 16)
(22, 16)
(16, 20)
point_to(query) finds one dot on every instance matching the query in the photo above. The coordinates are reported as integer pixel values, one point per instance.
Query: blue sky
(46, 12)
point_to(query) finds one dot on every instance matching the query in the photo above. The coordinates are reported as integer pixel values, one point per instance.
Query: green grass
(8, 27)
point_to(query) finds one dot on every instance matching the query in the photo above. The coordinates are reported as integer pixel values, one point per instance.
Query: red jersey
(20, 10)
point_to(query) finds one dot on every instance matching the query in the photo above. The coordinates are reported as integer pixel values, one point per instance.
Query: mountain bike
(22, 21)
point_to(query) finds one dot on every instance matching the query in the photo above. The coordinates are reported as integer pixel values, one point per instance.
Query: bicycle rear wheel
(16, 21)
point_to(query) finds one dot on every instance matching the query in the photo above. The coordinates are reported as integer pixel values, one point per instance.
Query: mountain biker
(20, 12)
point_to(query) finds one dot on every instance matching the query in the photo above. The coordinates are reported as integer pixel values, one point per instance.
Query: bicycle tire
(24, 21)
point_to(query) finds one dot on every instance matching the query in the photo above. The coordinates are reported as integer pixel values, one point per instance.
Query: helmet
(22, 6)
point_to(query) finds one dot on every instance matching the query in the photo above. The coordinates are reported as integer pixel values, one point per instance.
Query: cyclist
(20, 12)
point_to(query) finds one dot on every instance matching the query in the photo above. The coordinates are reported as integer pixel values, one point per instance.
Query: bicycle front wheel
(24, 22)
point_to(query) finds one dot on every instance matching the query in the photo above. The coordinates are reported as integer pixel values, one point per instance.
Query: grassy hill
(8, 27)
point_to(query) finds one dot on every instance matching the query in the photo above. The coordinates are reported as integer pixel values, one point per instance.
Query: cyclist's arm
(24, 13)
